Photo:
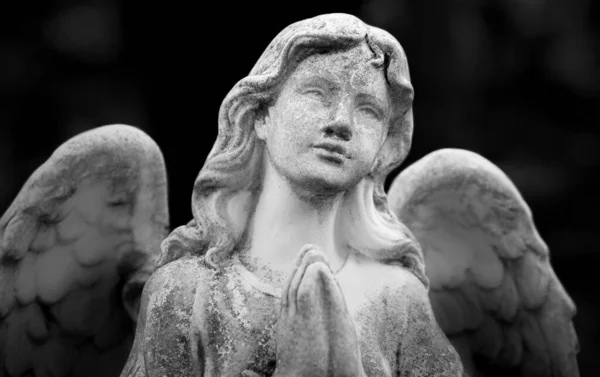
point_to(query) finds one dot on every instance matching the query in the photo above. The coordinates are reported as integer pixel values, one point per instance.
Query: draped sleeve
(424, 349)
(163, 343)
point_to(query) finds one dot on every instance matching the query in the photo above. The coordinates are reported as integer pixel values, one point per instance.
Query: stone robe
(195, 321)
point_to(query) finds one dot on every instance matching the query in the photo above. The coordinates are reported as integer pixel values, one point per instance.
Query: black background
(516, 81)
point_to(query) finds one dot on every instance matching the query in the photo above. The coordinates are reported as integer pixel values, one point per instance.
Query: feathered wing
(76, 247)
(493, 290)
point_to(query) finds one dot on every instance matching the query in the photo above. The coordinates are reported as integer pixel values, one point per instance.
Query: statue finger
(284, 296)
(309, 249)
(312, 296)
(308, 255)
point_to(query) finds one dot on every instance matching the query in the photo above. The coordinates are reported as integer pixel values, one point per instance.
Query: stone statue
(297, 263)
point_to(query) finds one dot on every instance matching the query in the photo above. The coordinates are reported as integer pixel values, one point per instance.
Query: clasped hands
(315, 332)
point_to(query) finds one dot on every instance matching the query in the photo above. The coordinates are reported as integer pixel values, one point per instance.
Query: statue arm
(162, 345)
(424, 348)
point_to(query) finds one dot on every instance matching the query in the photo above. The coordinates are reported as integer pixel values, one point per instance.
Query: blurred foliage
(517, 81)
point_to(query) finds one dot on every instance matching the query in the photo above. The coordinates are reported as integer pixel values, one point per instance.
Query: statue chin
(322, 183)
(321, 179)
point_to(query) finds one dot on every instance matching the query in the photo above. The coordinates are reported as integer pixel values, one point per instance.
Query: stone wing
(493, 290)
(76, 248)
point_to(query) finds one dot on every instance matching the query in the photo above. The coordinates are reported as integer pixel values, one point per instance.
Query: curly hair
(230, 181)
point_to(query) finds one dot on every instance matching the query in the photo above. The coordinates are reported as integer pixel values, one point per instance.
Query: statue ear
(397, 144)
(261, 124)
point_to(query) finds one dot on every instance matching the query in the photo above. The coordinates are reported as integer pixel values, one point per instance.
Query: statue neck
(284, 221)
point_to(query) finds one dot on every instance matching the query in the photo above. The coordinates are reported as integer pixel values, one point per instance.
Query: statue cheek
(366, 159)
(370, 142)
(371, 133)
(294, 119)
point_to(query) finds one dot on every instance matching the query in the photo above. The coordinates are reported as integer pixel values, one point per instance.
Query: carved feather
(493, 290)
(76, 244)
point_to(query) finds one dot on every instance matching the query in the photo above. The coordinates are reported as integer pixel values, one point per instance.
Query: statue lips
(335, 152)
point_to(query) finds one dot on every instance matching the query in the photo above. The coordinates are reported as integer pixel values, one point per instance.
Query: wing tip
(453, 163)
(100, 149)
(112, 136)
(452, 168)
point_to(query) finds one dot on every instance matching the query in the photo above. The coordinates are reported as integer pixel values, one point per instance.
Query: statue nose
(338, 131)
(340, 126)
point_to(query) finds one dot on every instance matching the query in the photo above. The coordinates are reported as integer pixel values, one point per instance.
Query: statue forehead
(354, 66)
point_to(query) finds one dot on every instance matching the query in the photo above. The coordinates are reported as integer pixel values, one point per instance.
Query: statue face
(329, 121)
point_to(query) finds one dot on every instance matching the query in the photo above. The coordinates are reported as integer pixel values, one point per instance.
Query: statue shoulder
(176, 280)
(393, 283)
(167, 314)
(405, 289)
(392, 277)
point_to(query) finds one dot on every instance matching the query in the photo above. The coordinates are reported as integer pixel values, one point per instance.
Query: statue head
(230, 181)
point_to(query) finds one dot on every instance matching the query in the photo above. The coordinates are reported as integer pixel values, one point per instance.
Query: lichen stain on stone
(215, 321)
(435, 356)
(264, 359)
(238, 302)
(239, 323)
(170, 315)
(378, 332)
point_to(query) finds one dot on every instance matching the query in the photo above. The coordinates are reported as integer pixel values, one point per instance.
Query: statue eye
(371, 112)
(315, 93)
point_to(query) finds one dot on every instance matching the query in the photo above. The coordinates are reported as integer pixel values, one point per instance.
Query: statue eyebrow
(383, 105)
(321, 81)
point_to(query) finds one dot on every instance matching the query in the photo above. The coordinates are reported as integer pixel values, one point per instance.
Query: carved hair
(230, 181)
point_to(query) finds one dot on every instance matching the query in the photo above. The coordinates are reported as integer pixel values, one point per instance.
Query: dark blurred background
(517, 81)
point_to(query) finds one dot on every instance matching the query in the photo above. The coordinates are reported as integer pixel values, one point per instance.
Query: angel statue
(297, 262)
